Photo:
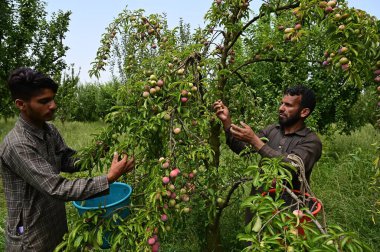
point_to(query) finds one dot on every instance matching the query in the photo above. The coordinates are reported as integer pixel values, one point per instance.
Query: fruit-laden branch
(238, 34)
(286, 60)
(248, 62)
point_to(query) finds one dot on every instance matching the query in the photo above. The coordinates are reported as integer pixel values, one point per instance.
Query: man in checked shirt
(32, 156)
(289, 138)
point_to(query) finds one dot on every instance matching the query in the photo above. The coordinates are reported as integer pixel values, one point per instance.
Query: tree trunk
(213, 241)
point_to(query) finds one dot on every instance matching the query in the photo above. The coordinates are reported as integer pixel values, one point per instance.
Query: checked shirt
(31, 160)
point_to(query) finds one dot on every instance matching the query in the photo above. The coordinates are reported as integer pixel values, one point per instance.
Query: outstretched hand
(246, 134)
(243, 133)
(118, 168)
(222, 113)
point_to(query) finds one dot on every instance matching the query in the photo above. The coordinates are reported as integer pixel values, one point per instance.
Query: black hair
(24, 83)
(308, 99)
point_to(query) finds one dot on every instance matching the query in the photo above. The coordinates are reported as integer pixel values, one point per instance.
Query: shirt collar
(38, 132)
(301, 132)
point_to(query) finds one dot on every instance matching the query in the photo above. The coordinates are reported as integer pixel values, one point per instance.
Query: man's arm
(309, 150)
(23, 159)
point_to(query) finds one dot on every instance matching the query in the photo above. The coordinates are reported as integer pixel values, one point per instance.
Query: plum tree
(243, 59)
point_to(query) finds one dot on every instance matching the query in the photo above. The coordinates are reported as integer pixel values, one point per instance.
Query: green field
(340, 179)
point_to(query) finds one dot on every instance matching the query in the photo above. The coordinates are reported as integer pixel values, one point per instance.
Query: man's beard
(289, 121)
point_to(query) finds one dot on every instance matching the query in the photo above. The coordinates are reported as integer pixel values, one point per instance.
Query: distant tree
(66, 95)
(29, 38)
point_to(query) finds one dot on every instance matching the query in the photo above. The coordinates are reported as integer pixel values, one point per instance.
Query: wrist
(256, 143)
(227, 124)
(110, 179)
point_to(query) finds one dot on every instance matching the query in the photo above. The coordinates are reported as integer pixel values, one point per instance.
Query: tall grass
(340, 179)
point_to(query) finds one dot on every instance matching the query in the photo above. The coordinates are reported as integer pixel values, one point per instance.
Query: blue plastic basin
(118, 197)
(116, 201)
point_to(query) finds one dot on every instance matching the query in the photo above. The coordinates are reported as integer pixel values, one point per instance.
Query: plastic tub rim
(110, 205)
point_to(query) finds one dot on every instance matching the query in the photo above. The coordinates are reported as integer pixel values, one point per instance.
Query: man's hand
(222, 113)
(119, 168)
(246, 134)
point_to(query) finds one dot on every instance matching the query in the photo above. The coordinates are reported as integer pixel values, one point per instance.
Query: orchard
(169, 80)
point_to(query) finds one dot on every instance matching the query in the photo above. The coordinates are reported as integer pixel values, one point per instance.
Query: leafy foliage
(28, 38)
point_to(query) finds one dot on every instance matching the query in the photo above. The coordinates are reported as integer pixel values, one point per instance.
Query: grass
(340, 179)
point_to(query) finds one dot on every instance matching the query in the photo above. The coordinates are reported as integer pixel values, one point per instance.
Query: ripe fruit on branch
(181, 71)
(151, 241)
(164, 217)
(145, 94)
(342, 27)
(342, 50)
(171, 187)
(337, 16)
(289, 30)
(377, 79)
(331, 3)
(185, 198)
(172, 202)
(328, 9)
(184, 99)
(345, 67)
(177, 131)
(156, 247)
(184, 92)
(165, 165)
(186, 210)
(322, 4)
(161, 159)
(325, 63)
(298, 26)
(152, 91)
(173, 173)
(160, 83)
(343, 60)
(165, 180)
(376, 72)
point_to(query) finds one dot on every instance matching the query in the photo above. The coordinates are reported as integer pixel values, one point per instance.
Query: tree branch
(286, 7)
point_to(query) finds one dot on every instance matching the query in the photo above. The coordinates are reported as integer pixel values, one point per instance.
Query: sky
(90, 18)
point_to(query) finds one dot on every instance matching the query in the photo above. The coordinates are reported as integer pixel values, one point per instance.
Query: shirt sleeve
(236, 145)
(27, 163)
